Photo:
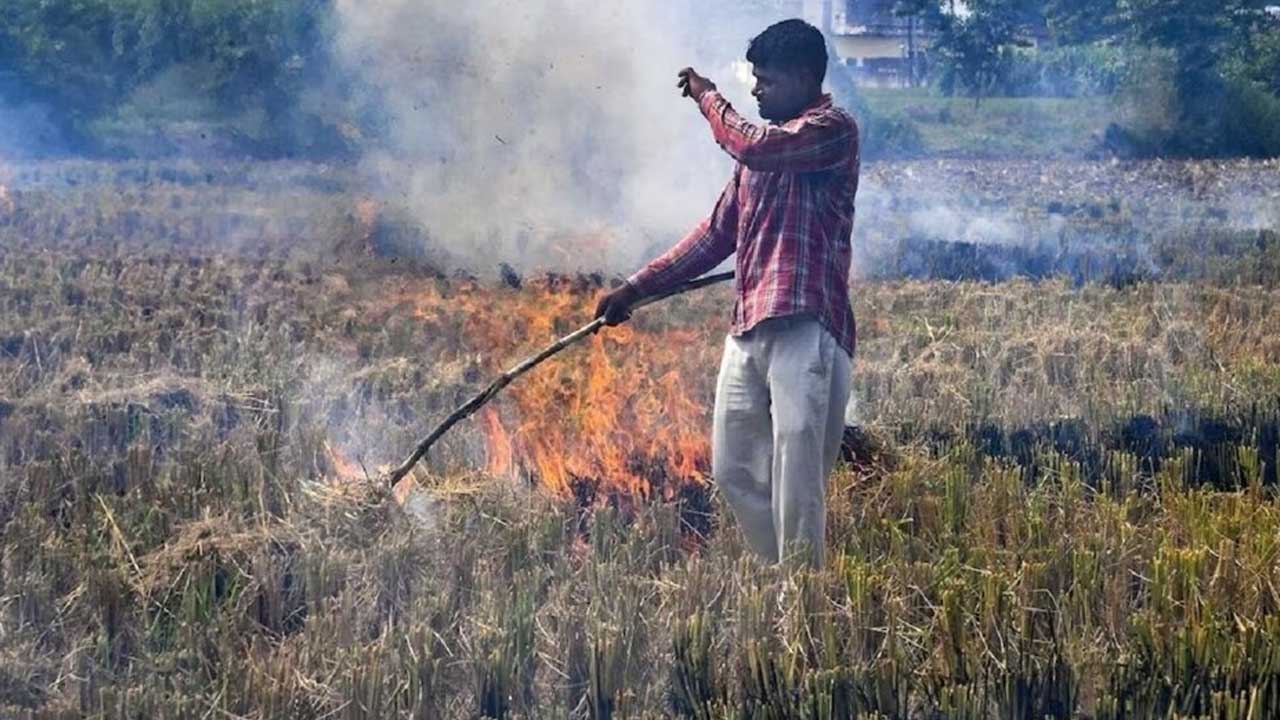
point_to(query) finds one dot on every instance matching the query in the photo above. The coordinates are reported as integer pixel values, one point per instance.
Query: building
(881, 48)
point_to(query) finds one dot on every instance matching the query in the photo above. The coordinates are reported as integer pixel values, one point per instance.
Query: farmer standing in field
(788, 213)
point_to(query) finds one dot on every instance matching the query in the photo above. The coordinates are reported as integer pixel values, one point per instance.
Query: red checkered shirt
(787, 211)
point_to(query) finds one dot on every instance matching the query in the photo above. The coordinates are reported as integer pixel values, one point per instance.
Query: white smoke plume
(549, 134)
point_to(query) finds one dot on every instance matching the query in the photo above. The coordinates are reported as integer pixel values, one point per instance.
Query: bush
(1251, 121)
(883, 136)
(111, 74)
(1258, 60)
(1147, 105)
(1153, 117)
(889, 136)
(1081, 71)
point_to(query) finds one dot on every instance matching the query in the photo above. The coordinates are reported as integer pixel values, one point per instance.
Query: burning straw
(471, 406)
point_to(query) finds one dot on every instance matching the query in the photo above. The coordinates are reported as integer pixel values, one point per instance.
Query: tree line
(1221, 59)
(246, 65)
(262, 74)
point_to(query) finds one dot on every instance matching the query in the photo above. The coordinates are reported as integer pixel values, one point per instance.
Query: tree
(83, 59)
(61, 54)
(1078, 22)
(969, 50)
(1201, 34)
(970, 46)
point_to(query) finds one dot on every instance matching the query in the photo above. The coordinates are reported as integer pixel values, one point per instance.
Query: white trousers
(778, 421)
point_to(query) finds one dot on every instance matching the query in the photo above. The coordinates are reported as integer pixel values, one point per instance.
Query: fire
(343, 467)
(349, 481)
(627, 412)
(500, 460)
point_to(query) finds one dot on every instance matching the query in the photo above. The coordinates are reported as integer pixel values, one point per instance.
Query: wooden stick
(475, 403)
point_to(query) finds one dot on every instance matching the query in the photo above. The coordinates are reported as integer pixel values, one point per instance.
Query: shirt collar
(822, 103)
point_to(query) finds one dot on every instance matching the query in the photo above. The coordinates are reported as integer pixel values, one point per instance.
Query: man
(788, 213)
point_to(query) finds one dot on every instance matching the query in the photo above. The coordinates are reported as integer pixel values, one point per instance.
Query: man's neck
(808, 104)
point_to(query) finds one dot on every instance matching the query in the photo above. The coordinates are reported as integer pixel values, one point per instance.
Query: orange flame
(626, 413)
(500, 462)
(350, 477)
(344, 468)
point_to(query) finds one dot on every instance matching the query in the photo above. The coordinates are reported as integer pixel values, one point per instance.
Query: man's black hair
(790, 45)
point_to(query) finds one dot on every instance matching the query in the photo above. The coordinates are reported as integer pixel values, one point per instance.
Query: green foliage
(1258, 59)
(694, 687)
(883, 135)
(86, 58)
(971, 54)
(1251, 123)
(1223, 57)
(1147, 102)
(1200, 34)
(1068, 71)
(1001, 127)
(989, 50)
(890, 136)
(971, 47)
(1083, 21)
(1252, 120)
(1192, 27)
(1234, 115)
(68, 53)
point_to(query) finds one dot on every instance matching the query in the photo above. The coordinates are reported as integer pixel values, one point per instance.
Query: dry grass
(178, 541)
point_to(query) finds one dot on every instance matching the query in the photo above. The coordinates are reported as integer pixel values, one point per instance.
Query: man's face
(781, 93)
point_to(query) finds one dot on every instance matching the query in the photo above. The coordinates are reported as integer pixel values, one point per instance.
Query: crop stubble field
(1060, 498)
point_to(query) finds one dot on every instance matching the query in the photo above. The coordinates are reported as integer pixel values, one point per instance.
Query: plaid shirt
(787, 211)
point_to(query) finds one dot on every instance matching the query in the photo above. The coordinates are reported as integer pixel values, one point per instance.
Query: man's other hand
(694, 85)
(615, 306)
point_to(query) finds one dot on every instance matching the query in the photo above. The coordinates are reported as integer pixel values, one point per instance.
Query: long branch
(471, 406)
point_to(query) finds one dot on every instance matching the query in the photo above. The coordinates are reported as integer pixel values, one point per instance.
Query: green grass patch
(998, 127)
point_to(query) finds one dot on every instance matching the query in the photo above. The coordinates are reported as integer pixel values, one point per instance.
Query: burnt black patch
(510, 277)
(11, 345)
(864, 451)
(180, 399)
(1121, 259)
(1211, 443)
(920, 258)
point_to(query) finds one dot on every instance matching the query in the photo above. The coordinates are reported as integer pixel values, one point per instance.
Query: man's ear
(811, 78)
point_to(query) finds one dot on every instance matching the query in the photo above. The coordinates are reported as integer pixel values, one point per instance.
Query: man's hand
(615, 307)
(694, 85)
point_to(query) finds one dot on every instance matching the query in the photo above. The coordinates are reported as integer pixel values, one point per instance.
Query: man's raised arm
(705, 247)
(809, 143)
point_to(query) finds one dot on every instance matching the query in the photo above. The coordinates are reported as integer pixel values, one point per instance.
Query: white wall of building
(818, 14)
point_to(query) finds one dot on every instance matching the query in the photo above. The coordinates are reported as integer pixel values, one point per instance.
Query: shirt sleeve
(713, 240)
(810, 143)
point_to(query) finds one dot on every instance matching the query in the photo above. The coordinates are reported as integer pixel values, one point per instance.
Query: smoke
(1253, 211)
(549, 134)
(958, 224)
(961, 219)
(26, 131)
